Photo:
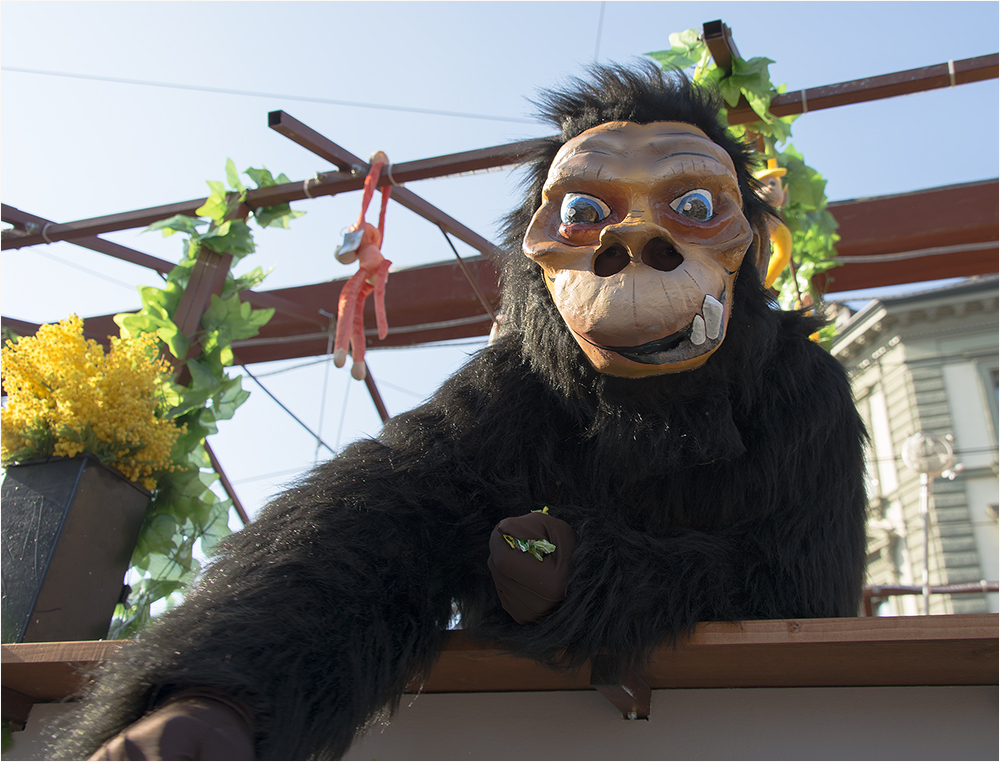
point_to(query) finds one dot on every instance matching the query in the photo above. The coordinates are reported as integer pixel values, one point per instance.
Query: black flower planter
(69, 528)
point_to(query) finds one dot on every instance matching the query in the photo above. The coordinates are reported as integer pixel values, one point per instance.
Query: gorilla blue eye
(696, 204)
(580, 209)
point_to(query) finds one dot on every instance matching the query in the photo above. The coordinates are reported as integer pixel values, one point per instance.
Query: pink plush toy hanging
(363, 242)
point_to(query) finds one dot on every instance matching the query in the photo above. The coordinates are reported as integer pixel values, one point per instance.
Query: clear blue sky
(76, 144)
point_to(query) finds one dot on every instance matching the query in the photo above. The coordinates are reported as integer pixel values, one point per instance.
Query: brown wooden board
(436, 302)
(866, 651)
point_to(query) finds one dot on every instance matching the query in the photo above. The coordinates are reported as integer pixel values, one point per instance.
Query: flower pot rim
(81, 456)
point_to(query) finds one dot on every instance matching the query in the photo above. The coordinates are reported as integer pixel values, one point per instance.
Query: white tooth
(697, 330)
(711, 308)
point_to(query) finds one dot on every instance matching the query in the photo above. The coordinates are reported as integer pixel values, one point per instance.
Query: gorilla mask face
(640, 235)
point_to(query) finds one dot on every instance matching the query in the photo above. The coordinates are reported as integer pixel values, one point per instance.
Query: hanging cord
(468, 276)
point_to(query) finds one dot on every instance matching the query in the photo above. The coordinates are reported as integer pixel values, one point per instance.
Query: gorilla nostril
(661, 255)
(612, 260)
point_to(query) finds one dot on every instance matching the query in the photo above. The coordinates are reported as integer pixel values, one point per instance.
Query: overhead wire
(343, 412)
(600, 29)
(114, 281)
(285, 408)
(326, 383)
(278, 96)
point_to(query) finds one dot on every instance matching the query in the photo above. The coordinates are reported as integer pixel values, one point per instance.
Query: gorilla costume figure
(698, 456)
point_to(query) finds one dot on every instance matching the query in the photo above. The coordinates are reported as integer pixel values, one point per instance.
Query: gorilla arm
(315, 616)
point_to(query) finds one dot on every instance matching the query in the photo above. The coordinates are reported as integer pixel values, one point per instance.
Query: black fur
(730, 492)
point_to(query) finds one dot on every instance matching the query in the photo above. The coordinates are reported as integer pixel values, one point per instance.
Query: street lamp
(928, 455)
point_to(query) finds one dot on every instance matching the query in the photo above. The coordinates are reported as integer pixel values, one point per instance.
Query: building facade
(928, 362)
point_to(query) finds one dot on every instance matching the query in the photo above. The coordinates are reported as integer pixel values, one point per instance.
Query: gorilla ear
(760, 249)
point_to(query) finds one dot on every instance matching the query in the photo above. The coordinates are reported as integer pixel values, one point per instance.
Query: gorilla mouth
(703, 333)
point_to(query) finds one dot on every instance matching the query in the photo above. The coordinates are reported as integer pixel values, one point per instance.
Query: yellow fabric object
(781, 244)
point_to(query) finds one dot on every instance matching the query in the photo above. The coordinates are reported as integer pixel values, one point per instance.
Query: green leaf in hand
(538, 548)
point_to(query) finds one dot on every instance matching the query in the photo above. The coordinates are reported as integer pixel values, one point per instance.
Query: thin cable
(279, 403)
(326, 383)
(468, 276)
(931, 252)
(343, 412)
(281, 96)
(130, 286)
(262, 477)
(600, 28)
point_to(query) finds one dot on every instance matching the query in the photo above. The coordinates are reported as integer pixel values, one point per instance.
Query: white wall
(910, 723)
(976, 451)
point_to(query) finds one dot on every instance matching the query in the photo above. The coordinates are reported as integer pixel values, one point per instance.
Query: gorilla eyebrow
(687, 153)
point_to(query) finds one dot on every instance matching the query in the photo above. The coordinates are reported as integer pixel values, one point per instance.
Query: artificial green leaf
(189, 484)
(218, 312)
(155, 299)
(215, 206)
(170, 567)
(262, 177)
(207, 420)
(156, 535)
(225, 403)
(158, 588)
(685, 50)
(537, 548)
(231, 237)
(191, 400)
(250, 280)
(258, 319)
(207, 478)
(202, 377)
(176, 341)
(134, 325)
(179, 223)
(233, 177)
(218, 529)
(710, 76)
(275, 216)
(204, 509)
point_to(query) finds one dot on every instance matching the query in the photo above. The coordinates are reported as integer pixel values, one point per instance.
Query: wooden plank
(874, 88)
(955, 214)
(436, 303)
(307, 137)
(865, 651)
(24, 220)
(52, 671)
(814, 99)
(914, 222)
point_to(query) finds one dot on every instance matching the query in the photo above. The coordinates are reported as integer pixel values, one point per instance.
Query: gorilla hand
(531, 584)
(193, 724)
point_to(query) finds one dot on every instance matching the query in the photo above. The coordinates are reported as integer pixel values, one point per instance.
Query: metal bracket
(719, 40)
(629, 693)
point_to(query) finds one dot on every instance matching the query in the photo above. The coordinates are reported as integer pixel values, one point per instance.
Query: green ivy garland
(184, 507)
(813, 228)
